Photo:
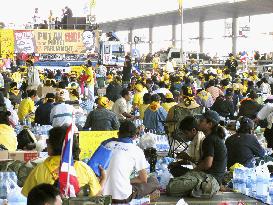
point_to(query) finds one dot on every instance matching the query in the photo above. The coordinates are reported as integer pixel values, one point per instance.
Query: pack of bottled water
(162, 172)
(9, 190)
(254, 182)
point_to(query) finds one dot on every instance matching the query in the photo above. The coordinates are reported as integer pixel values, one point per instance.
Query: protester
(26, 107)
(155, 115)
(8, 140)
(127, 69)
(101, 118)
(249, 106)
(147, 99)
(266, 113)
(189, 128)
(47, 172)
(243, 146)
(169, 102)
(206, 177)
(213, 90)
(44, 194)
(14, 94)
(127, 157)
(224, 105)
(42, 113)
(188, 107)
(122, 107)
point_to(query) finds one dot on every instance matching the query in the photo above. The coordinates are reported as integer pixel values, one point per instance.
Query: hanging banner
(24, 41)
(7, 42)
(59, 41)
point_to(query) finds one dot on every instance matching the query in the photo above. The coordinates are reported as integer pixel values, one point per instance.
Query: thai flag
(68, 182)
(243, 57)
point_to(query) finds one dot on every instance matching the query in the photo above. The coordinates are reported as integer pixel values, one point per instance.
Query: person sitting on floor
(101, 118)
(48, 171)
(189, 128)
(243, 146)
(155, 115)
(126, 159)
(205, 179)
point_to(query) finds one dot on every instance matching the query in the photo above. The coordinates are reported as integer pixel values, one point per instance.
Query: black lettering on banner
(40, 35)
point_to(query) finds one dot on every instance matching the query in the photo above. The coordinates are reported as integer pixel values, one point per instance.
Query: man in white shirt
(122, 107)
(169, 66)
(127, 158)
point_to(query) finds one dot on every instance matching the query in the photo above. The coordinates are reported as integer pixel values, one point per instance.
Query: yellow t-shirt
(138, 99)
(8, 137)
(168, 106)
(41, 174)
(90, 73)
(26, 106)
(142, 109)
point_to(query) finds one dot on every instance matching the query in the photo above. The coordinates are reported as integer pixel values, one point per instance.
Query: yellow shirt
(8, 137)
(138, 99)
(90, 73)
(16, 77)
(26, 106)
(168, 106)
(41, 174)
(142, 109)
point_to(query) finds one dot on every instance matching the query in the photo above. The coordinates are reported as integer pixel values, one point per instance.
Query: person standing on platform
(127, 69)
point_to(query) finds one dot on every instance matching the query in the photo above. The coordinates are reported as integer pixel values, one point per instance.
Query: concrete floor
(229, 197)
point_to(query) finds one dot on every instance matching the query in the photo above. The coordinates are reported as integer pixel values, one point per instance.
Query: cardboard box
(23, 155)
(4, 155)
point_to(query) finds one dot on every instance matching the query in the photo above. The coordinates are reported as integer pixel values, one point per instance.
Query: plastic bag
(181, 202)
(102, 157)
(147, 141)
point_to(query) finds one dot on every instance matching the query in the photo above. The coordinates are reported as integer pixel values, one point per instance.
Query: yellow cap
(169, 95)
(139, 87)
(103, 101)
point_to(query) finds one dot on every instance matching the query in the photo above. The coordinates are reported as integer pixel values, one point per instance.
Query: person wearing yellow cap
(102, 119)
(90, 82)
(155, 115)
(169, 102)
(188, 107)
(14, 94)
(138, 97)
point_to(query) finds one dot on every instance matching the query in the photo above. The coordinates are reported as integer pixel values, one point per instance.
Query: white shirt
(266, 113)
(126, 158)
(121, 106)
(62, 115)
(169, 67)
(164, 91)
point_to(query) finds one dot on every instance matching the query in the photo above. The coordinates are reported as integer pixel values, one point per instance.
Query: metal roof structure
(216, 11)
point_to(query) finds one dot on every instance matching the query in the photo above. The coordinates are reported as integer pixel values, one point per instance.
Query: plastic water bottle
(235, 180)
(3, 188)
(13, 177)
(262, 183)
(16, 198)
(237, 125)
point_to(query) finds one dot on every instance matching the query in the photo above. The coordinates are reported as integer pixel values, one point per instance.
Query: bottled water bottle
(3, 187)
(262, 183)
(13, 177)
(235, 180)
(237, 125)
(270, 192)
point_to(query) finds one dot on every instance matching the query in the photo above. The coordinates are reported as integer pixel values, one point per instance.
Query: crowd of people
(190, 103)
